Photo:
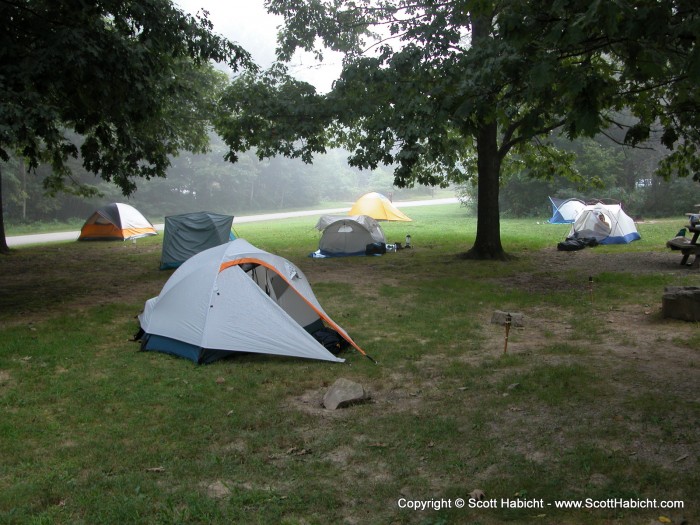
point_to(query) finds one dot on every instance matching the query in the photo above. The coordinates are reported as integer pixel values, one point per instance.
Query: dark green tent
(190, 233)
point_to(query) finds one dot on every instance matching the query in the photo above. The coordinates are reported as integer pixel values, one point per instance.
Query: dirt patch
(634, 349)
(37, 282)
(592, 262)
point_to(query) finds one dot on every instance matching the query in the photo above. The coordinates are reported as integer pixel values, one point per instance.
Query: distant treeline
(603, 170)
(198, 182)
(207, 182)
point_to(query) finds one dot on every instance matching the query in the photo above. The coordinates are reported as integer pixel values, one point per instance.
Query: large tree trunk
(487, 244)
(3, 241)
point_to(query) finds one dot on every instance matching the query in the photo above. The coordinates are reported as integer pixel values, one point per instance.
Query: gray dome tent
(347, 235)
(606, 223)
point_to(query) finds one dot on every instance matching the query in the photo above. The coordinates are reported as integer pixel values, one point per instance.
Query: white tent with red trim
(236, 298)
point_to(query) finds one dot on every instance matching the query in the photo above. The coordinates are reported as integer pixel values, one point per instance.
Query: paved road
(41, 238)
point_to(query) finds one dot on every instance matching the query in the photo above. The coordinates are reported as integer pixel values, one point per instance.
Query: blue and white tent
(606, 223)
(565, 211)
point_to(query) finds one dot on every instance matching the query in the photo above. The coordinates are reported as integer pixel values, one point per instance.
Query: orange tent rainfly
(118, 222)
(378, 207)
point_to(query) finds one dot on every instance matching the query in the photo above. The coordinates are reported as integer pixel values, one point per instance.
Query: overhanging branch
(510, 139)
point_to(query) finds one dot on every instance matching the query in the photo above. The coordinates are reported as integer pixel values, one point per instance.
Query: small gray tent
(190, 233)
(343, 236)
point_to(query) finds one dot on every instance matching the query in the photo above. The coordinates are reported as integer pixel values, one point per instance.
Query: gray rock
(499, 317)
(681, 302)
(343, 393)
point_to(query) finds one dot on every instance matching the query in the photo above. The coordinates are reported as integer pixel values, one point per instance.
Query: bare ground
(639, 351)
(33, 285)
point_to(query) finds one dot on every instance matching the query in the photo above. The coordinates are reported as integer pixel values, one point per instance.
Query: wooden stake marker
(507, 320)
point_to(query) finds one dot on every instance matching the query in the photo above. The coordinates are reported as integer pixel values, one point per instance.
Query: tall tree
(456, 86)
(117, 74)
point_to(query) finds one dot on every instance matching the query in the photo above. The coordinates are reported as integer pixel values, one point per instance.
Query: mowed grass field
(595, 401)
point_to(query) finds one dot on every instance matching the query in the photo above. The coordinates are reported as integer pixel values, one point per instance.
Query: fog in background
(247, 23)
(208, 182)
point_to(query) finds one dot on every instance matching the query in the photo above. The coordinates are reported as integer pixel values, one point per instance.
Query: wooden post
(507, 325)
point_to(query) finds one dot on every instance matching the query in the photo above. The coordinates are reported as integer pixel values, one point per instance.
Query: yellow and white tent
(118, 222)
(378, 207)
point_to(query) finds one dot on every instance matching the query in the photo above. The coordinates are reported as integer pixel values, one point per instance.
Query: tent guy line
(40, 238)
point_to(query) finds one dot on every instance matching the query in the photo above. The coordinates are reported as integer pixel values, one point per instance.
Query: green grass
(43, 227)
(94, 431)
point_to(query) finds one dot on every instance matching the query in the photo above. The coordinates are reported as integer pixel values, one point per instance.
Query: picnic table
(692, 248)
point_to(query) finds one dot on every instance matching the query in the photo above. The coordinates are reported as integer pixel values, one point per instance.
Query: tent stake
(590, 287)
(507, 325)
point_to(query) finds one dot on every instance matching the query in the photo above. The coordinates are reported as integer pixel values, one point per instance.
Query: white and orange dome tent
(116, 222)
(236, 298)
(378, 207)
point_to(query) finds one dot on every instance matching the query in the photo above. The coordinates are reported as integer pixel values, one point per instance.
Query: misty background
(206, 182)
(198, 182)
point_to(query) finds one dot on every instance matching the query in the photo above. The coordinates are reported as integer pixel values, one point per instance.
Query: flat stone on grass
(499, 317)
(343, 393)
(681, 302)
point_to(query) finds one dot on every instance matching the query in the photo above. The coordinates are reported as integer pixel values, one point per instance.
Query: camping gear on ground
(606, 223)
(331, 340)
(565, 211)
(376, 248)
(378, 207)
(571, 245)
(116, 222)
(345, 236)
(190, 233)
(236, 298)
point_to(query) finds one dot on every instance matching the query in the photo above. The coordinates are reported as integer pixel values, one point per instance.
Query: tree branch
(509, 140)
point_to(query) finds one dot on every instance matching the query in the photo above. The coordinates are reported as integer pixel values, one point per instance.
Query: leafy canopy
(421, 79)
(119, 84)
(652, 50)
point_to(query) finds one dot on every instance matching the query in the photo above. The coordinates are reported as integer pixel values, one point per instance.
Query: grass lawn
(597, 399)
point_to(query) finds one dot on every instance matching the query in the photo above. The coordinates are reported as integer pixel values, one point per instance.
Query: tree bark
(487, 244)
(23, 177)
(4, 248)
